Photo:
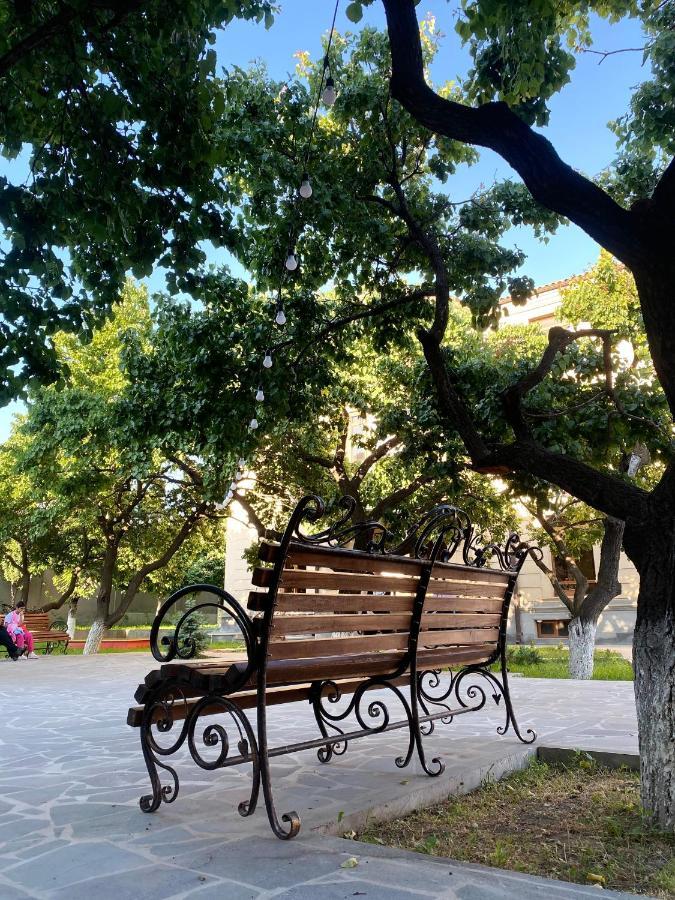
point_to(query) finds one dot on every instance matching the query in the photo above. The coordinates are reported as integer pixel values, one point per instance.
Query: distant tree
(97, 97)
(138, 503)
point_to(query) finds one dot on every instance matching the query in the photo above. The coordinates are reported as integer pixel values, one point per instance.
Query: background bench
(45, 636)
(334, 623)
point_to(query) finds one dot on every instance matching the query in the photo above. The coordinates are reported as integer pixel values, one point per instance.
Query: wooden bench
(45, 636)
(332, 624)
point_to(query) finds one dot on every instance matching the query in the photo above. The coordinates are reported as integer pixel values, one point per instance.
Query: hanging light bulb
(329, 94)
(241, 462)
(253, 424)
(280, 317)
(305, 187)
(291, 261)
(267, 362)
(259, 395)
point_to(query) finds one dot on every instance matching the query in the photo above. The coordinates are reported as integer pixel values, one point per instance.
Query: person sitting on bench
(8, 643)
(14, 623)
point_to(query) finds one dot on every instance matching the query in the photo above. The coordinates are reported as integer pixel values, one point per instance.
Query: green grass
(552, 662)
(575, 822)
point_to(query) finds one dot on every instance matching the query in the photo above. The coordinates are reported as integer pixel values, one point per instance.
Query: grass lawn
(576, 823)
(552, 662)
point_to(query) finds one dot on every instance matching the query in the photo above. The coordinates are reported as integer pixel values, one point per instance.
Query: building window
(552, 628)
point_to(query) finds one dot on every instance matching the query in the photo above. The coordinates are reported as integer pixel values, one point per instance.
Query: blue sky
(578, 125)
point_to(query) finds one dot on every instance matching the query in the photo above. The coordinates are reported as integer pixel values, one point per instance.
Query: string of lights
(326, 94)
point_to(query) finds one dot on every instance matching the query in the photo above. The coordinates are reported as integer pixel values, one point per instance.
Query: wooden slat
(458, 637)
(463, 604)
(258, 601)
(344, 603)
(284, 625)
(212, 675)
(357, 581)
(354, 562)
(354, 603)
(440, 588)
(344, 558)
(348, 581)
(248, 700)
(372, 643)
(336, 646)
(316, 624)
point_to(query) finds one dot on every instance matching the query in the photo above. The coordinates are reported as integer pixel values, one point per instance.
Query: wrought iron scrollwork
(170, 705)
(340, 533)
(372, 715)
(182, 645)
(497, 689)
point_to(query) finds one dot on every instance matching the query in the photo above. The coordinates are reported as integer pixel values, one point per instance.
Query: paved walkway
(71, 773)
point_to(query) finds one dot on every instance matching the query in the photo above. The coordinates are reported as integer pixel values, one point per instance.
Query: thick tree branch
(377, 454)
(368, 312)
(607, 585)
(253, 518)
(562, 551)
(551, 182)
(154, 565)
(396, 497)
(558, 340)
(663, 197)
(560, 592)
(606, 493)
(315, 460)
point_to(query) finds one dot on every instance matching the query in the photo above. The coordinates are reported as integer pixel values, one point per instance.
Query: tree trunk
(72, 619)
(98, 626)
(582, 645)
(654, 664)
(95, 636)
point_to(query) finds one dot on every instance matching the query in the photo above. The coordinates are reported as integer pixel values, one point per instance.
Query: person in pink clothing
(14, 623)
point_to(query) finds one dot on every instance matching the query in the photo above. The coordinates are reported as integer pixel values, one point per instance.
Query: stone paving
(71, 773)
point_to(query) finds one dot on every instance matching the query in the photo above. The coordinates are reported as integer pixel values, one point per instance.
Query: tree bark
(72, 619)
(94, 637)
(654, 665)
(103, 596)
(582, 646)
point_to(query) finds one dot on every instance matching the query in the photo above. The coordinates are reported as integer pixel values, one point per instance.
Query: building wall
(239, 537)
(538, 603)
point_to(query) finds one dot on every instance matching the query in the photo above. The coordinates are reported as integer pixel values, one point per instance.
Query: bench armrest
(180, 644)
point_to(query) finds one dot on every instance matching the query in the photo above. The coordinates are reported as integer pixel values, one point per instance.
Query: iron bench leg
(168, 705)
(292, 818)
(499, 689)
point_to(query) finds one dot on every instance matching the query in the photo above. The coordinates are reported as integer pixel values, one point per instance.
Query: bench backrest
(37, 621)
(368, 601)
(324, 601)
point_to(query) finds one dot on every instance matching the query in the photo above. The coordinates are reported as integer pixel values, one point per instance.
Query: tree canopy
(111, 87)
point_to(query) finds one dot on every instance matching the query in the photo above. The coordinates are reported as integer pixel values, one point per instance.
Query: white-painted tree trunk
(582, 646)
(654, 664)
(94, 638)
(72, 621)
